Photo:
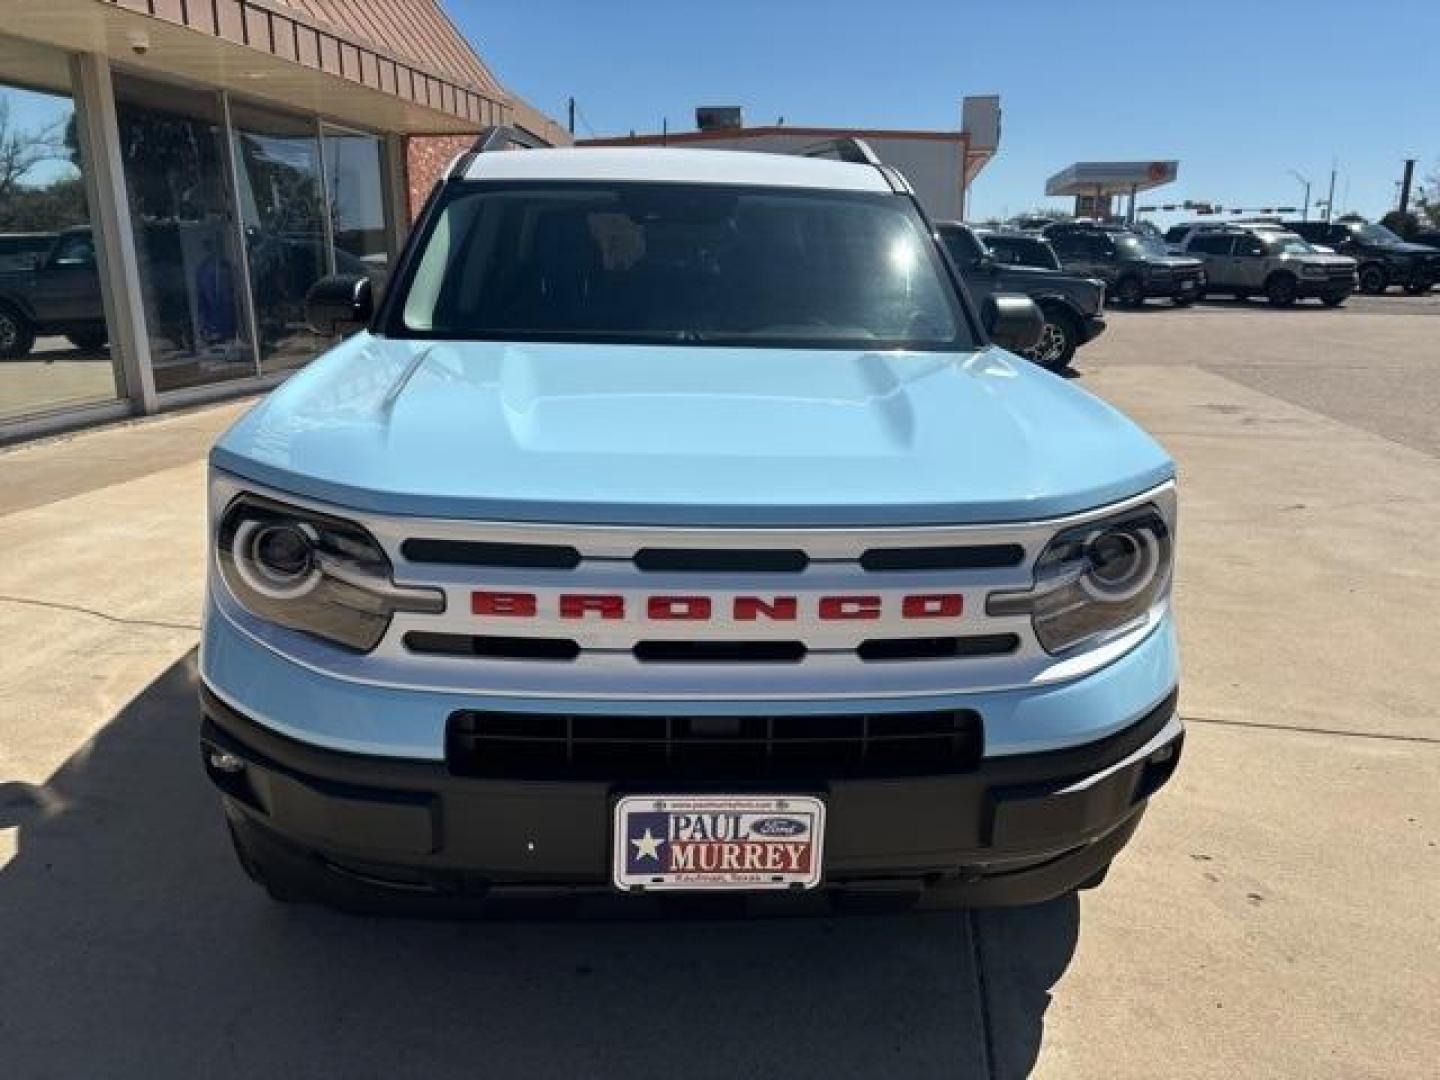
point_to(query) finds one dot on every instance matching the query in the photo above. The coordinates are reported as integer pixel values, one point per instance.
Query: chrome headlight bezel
(311, 572)
(1098, 581)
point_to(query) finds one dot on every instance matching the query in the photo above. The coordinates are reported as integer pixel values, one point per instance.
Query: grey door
(1214, 250)
(1249, 262)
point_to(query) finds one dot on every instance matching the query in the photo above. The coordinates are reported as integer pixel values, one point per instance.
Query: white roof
(676, 166)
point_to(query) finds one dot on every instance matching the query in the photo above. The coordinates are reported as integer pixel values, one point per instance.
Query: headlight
(313, 573)
(1096, 581)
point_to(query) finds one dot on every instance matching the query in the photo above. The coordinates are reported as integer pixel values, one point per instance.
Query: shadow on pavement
(131, 945)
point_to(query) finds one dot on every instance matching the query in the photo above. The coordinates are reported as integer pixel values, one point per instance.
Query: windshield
(1131, 244)
(1289, 244)
(1376, 234)
(679, 263)
(1022, 251)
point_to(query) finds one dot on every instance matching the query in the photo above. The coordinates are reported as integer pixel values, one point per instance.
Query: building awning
(285, 52)
(1111, 177)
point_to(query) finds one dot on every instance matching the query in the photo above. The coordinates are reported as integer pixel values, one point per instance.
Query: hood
(1408, 248)
(685, 435)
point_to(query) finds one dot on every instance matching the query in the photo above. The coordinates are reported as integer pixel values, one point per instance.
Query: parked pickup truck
(678, 524)
(1073, 307)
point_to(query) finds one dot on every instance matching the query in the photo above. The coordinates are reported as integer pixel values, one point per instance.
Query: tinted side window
(1249, 246)
(1176, 234)
(1066, 245)
(963, 247)
(1210, 244)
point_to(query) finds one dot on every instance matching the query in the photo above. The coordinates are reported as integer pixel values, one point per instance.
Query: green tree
(1427, 199)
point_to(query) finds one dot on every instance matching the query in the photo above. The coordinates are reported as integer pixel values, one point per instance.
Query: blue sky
(1240, 93)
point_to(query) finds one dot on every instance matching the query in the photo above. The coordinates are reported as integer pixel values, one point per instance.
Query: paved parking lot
(1276, 915)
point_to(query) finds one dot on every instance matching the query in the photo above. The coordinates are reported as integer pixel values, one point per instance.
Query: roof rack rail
(500, 137)
(845, 148)
(505, 137)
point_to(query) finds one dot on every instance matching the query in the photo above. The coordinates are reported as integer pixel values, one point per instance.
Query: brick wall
(426, 157)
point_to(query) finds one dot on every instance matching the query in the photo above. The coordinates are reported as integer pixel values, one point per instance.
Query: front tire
(17, 333)
(1059, 339)
(1282, 290)
(1373, 280)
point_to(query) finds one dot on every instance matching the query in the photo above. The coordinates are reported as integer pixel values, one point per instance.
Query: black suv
(57, 293)
(1073, 306)
(1384, 259)
(1133, 267)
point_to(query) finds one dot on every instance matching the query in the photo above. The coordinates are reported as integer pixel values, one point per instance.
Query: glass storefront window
(52, 320)
(177, 182)
(282, 206)
(355, 184)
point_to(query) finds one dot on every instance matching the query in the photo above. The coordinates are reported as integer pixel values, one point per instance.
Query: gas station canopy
(1106, 178)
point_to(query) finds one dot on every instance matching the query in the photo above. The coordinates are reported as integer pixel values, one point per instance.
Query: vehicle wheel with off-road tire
(1282, 290)
(1373, 279)
(17, 333)
(1129, 291)
(90, 340)
(1059, 338)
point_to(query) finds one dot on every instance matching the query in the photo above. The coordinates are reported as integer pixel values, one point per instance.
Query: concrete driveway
(1275, 916)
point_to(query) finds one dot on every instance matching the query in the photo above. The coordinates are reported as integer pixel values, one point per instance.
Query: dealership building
(175, 174)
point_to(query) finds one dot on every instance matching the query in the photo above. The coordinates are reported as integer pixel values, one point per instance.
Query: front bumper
(1188, 287)
(369, 833)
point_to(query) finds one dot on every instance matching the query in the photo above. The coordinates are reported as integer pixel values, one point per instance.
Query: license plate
(718, 842)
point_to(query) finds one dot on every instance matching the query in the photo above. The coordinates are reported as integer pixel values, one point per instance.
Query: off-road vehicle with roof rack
(677, 524)
(1133, 267)
(1248, 261)
(1382, 258)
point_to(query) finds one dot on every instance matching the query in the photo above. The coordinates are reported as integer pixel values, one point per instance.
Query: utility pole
(664, 131)
(1305, 211)
(572, 116)
(1405, 185)
(1330, 199)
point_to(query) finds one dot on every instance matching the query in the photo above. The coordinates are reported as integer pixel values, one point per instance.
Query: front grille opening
(938, 648)
(719, 652)
(973, 557)
(722, 560)
(480, 553)
(637, 748)
(494, 648)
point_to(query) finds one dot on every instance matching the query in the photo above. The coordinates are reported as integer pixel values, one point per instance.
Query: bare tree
(21, 150)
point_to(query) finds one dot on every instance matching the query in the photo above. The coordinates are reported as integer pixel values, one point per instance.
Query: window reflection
(173, 152)
(355, 182)
(52, 318)
(281, 205)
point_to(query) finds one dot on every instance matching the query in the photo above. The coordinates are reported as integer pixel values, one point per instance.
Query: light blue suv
(675, 524)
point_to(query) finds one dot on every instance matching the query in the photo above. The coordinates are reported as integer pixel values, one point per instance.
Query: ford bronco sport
(1269, 262)
(676, 525)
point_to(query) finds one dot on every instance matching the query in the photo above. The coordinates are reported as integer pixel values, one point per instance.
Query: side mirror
(1012, 321)
(339, 304)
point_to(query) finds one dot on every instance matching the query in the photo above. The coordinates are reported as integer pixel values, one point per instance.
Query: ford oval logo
(778, 826)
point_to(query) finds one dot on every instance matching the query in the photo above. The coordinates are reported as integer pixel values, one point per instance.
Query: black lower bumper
(369, 834)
